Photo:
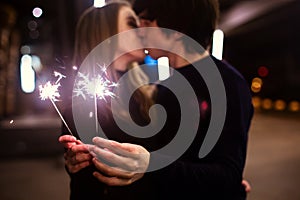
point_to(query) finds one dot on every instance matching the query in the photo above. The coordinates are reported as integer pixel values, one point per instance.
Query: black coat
(216, 176)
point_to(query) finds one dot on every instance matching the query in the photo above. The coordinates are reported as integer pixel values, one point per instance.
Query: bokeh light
(37, 12)
(163, 68)
(99, 3)
(263, 71)
(32, 25)
(75, 68)
(256, 85)
(256, 101)
(267, 104)
(36, 63)
(280, 105)
(294, 106)
(25, 49)
(217, 46)
(27, 74)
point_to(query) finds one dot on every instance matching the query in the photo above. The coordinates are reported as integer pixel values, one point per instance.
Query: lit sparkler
(50, 91)
(95, 87)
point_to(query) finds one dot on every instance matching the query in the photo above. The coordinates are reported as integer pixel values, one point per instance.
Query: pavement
(273, 160)
(31, 164)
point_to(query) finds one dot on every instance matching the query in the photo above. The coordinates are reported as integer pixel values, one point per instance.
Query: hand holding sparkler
(77, 155)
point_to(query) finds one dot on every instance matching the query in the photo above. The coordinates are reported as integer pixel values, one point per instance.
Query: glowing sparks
(98, 87)
(49, 91)
(75, 68)
(95, 87)
(59, 75)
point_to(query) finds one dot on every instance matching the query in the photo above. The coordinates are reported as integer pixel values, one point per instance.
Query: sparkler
(95, 87)
(50, 91)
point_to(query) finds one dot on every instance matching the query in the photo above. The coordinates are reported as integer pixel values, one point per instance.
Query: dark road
(32, 165)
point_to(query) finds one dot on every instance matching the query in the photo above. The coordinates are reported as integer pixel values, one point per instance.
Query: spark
(59, 75)
(103, 68)
(95, 87)
(75, 68)
(98, 87)
(50, 91)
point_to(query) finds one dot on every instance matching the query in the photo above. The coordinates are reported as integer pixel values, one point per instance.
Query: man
(219, 174)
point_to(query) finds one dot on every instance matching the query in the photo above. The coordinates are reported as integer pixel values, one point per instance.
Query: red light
(263, 71)
(204, 105)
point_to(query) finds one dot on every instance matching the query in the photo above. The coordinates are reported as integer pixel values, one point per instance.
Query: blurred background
(261, 39)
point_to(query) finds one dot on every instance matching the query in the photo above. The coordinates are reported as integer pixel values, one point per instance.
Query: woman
(90, 177)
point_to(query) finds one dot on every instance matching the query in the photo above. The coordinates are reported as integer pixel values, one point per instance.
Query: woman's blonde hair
(96, 25)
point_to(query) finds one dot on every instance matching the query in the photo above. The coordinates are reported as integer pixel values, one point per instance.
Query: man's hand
(124, 163)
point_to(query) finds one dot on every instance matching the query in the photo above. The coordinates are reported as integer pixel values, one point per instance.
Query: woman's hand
(124, 163)
(68, 141)
(77, 155)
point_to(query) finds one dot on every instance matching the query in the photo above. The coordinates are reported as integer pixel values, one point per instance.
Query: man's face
(154, 37)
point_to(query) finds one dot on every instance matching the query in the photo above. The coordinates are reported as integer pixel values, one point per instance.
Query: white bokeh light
(99, 3)
(217, 47)
(163, 68)
(37, 12)
(27, 74)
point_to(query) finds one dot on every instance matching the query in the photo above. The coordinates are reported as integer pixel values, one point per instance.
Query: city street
(50, 50)
(31, 171)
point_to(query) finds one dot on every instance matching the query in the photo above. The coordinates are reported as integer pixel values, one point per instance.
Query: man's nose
(143, 23)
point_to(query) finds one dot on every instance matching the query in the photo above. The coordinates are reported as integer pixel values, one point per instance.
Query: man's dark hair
(195, 18)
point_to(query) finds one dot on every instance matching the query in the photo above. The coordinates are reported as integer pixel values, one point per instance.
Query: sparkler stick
(95, 105)
(60, 115)
(50, 91)
(96, 112)
(96, 87)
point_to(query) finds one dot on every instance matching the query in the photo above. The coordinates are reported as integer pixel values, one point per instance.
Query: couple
(118, 167)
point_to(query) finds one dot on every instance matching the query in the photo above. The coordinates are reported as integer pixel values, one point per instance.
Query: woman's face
(127, 20)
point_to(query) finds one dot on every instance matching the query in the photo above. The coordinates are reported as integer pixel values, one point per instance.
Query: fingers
(68, 141)
(76, 162)
(113, 176)
(77, 157)
(80, 148)
(125, 163)
(77, 154)
(129, 157)
(112, 171)
(247, 185)
(77, 167)
(112, 181)
(123, 149)
(67, 138)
